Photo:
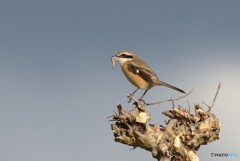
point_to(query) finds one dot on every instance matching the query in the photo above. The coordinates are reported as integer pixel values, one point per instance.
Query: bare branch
(189, 107)
(170, 100)
(215, 97)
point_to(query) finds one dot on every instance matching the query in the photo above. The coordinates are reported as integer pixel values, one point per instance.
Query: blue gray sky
(58, 88)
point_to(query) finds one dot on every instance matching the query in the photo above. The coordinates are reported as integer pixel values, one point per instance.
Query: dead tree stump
(179, 140)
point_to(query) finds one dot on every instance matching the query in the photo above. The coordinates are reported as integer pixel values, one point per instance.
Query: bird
(138, 72)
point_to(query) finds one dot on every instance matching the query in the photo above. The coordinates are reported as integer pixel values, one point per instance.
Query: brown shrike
(138, 72)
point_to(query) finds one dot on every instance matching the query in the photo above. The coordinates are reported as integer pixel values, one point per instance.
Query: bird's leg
(131, 94)
(140, 99)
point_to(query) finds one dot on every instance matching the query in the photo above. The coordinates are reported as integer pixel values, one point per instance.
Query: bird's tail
(170, 86)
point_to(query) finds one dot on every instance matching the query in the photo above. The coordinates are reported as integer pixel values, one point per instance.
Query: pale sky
(58, 88)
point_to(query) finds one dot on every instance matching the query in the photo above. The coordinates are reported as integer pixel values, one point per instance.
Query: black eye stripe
(126, 56)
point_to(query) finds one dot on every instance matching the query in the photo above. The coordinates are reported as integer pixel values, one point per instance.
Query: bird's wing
(143, 71)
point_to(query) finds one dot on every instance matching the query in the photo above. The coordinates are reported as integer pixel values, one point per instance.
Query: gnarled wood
(179, 140)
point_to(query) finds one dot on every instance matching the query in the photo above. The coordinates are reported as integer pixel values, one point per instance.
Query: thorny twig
(170, 100)
(144, 105)
(189, 107)
(213, 102)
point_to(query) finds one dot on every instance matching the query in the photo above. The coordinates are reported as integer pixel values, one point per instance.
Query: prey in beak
(113, 60)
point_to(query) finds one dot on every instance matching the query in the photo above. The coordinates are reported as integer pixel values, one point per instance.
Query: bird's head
(123, 57)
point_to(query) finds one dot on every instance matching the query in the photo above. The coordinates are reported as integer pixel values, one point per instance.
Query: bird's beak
(113, 60)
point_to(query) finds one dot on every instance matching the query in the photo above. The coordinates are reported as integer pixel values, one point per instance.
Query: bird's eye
(126, 56)
(123, 56)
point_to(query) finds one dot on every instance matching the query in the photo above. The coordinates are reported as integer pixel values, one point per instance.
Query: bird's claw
(141, 100)
(129, 96)
(138, 101)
